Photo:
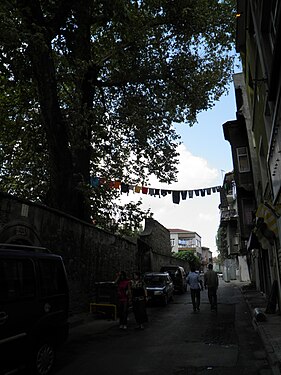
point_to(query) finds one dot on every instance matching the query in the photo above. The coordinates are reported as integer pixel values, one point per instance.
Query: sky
(205, 156)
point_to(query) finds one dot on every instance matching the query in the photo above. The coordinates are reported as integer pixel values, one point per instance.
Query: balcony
(228, 215)
(230, 198)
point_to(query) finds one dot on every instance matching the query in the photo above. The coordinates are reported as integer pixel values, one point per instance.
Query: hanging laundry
(151, 191)
(176, 194)
(183, 194)
(164, 193)
(124, 188)
(94, 181)
(144, 190)
(176, 197)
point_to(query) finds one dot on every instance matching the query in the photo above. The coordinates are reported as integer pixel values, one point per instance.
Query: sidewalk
(97, 324)
(269, 330)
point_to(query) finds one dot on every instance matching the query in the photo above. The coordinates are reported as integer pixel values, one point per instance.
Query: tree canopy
(189, 256)
(93, 87)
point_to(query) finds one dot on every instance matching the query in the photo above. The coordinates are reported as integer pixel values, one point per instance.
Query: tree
(94, 87)
(221, 241)
(188, 256)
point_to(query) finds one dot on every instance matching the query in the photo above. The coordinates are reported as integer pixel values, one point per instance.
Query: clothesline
(176, 194)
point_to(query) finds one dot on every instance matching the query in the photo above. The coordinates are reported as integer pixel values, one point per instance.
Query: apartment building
(185, 240)
(255, 139)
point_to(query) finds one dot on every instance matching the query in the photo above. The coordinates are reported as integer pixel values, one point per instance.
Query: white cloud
(193, 172)
(199, 214)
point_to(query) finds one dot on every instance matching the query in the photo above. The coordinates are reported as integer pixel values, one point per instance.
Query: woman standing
(123, 293)
(139, 297)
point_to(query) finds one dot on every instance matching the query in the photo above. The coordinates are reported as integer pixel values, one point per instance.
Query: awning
(269, 214)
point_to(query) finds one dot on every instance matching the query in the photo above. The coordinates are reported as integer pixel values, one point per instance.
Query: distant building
(206, 258)
(186, 240)
(183, 240)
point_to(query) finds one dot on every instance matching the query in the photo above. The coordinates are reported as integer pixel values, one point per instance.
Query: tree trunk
(64, 192)
(61, 169)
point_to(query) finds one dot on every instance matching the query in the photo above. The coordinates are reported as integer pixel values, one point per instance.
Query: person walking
(139, 297)
(195, 283)
(211, 282)
(124, 295)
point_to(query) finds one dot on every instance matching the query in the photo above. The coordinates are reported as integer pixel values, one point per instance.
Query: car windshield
(155, 280)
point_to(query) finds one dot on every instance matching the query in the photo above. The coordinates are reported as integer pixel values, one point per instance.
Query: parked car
(178, 276)
(160, 287)
(34, 302)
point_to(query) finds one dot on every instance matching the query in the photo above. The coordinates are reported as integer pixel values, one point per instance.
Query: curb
(84, 319)
(75, 322)
(265, 337)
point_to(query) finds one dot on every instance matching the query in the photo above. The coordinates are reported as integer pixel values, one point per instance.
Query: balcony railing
(228, 215)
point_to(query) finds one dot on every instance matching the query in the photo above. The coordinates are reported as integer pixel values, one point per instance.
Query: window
(243, 159)
(16, 279)
(172, 242)
(190, 243)
(186, 242)
(51, 278)
(248, 211)
(182, 242)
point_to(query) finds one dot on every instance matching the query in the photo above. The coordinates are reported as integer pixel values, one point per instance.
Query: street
(174, 342)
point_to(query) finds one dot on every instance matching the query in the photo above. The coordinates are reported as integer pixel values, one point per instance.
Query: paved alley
(175, 341)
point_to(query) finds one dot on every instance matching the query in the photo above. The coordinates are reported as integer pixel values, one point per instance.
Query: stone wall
(156, 236)
(157, 239)
(90, 254)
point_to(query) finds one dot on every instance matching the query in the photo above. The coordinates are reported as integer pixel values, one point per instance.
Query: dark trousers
(139, 309)
(212, 295)
(123, 312)
(195, 298)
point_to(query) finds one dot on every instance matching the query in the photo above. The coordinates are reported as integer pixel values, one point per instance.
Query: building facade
(255, 139)
(185, 240)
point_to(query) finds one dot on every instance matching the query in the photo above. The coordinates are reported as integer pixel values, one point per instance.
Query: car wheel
(43, 358)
